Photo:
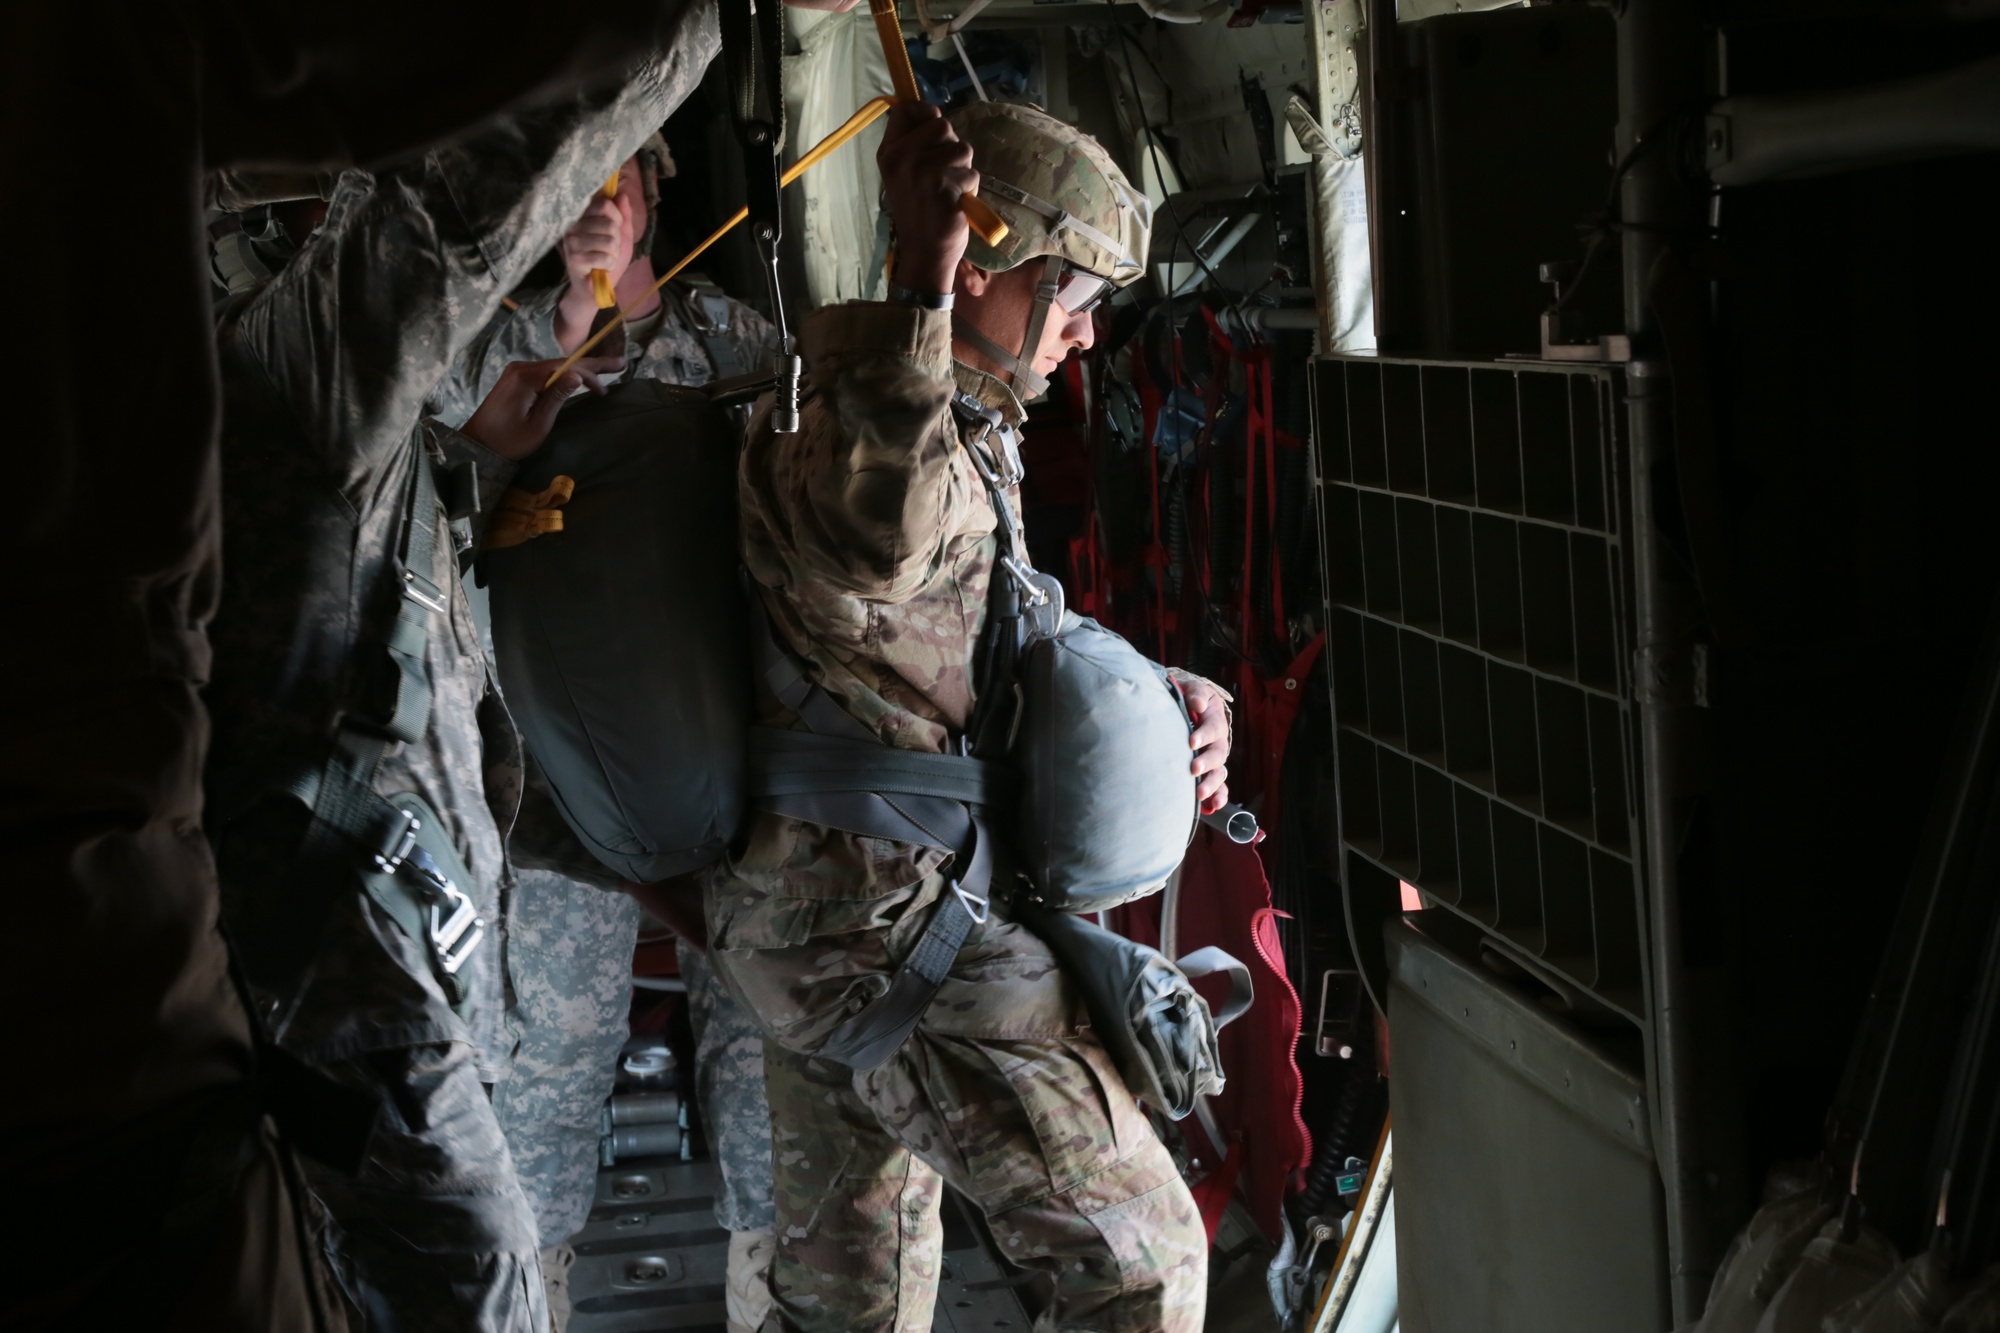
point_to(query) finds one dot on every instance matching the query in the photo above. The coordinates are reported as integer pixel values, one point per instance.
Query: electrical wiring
(1153, 147)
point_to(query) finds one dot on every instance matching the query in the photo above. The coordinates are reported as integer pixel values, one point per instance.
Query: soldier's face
(1000, 305)
(1064, 333)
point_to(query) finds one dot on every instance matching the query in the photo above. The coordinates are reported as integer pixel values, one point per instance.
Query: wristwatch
(927, 300)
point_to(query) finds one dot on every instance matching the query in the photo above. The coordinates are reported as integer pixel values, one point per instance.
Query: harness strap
(839, 774)
(790, 763)
(399, 849)
(707, 314)
(879, 1030)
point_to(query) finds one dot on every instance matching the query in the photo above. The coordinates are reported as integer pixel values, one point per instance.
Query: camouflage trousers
(1003, 1094)
(729, 1085)
(569, 956)
(431, 1233)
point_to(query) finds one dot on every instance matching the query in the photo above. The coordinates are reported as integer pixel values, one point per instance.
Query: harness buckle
(423, 592)
(976, 907)
(455, 936)
(404, 840)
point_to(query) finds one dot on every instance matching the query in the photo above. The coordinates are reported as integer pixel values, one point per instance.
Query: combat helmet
(656, 161)
(1064, 201)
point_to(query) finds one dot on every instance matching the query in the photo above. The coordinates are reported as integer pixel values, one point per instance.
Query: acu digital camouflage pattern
(671, 346)
(570, 958)
(569, 955)
(325, 372)
(1028, 149)
(729, 1085)
(871, 541)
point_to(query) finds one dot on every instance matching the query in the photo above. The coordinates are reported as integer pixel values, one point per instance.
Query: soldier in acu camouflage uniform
(571, 932)
(325, 372)
(871, 539)
(688, 334)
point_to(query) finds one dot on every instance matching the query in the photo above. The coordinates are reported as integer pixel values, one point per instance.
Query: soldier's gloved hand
(519, 413)
(1210, 740)
(601, 238)
(925, 168)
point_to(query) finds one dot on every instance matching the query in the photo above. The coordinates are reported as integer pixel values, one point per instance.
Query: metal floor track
(651, 1258)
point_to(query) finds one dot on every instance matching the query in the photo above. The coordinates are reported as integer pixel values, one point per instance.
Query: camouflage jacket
(325, 373)
(675, 349)
(872, 540)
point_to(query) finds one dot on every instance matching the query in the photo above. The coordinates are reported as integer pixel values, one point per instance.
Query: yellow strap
(904, 80)
(523, 516)
(870, 111)
(600, 281)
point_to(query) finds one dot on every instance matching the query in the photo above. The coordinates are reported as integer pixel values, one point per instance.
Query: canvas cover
(621, 639)
(1108, 799)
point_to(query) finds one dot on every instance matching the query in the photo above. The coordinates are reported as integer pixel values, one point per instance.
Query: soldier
(364, 770)
(690, 333)
(112, 924)
(570, 941)
(872, 541)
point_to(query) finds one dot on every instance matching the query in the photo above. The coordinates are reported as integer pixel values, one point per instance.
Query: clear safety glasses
(1079, 290)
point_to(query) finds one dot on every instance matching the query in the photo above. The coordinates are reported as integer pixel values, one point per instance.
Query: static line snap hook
(1032, 593)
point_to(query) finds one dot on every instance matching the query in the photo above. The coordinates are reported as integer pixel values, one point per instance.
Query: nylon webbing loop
(753, 45)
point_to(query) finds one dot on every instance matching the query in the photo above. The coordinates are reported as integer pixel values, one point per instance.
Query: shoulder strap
(753, 44)
(705, 310)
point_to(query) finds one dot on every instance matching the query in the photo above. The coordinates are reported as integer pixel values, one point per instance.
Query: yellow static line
(869, 113)
(904, 80)
(600, 281)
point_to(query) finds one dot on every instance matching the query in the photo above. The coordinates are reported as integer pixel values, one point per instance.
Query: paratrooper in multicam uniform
(871, 541)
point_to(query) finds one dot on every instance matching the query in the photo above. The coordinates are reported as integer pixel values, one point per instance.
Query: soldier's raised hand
(519, 413)
(601, 238)
(925, 168)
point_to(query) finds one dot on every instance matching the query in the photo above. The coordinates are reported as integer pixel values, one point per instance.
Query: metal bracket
(401, 843)
(1612, 347)
(1672, 677)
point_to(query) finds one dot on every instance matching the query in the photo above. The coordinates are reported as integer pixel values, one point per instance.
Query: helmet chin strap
(1020, 365)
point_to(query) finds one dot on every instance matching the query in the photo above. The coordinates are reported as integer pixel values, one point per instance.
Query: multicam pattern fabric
(1024, 148)
(569, 956)
(1003, 1094)
(324, 373)
(729, 1084)
(870, 538)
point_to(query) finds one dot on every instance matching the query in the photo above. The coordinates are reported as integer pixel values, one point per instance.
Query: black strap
(753, 44)
(788, 763)
(879, 1030)
(878, 792)
(400, 851)
(699, 301)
